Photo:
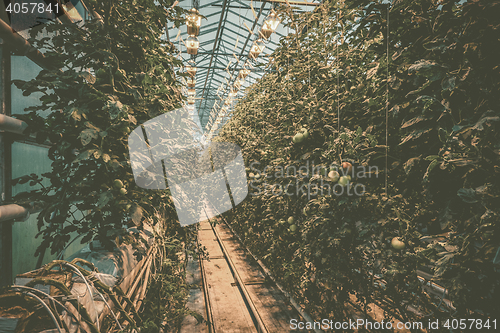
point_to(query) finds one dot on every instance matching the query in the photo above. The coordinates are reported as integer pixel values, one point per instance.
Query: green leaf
(87, 135)
(136, 214)
(448, 83)
(467, 195)
(104, 199)
(84, 156)
(431, 166)
(413, 121)
(443, 135)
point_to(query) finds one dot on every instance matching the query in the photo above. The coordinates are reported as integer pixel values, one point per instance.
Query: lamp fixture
(256, 49)
(243, 73)
(270, 24)
(193, 22)
(191, 68)
(192, 44)
(191, 82)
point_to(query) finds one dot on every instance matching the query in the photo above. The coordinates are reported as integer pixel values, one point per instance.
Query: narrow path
(237, 296)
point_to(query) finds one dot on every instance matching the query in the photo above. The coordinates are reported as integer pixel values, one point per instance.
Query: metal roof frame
(225, 41)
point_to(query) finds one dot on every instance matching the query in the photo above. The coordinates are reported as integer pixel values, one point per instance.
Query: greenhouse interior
(249, 166)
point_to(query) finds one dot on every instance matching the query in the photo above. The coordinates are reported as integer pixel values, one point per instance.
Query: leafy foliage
(333, 75)
(88, 118)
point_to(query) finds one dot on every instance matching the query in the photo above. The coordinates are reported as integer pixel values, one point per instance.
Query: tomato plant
(333, 73)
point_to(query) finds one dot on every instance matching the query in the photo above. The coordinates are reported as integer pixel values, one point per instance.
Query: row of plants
(111, 74)
(402, 97)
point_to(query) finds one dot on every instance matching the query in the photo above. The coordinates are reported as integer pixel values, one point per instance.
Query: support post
(5, 167)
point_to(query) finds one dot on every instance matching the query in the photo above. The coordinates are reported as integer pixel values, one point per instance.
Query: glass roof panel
(227, 32)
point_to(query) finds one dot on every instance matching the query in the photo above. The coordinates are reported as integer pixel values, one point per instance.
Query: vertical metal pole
(5, 168)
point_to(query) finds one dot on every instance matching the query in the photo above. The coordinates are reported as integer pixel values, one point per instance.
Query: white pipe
(12, 125)
(13, 211)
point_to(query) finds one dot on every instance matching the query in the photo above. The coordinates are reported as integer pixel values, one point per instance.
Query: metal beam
(5, 165)
(223, 68)
(217, 36)
(250, 34)
(293, 2)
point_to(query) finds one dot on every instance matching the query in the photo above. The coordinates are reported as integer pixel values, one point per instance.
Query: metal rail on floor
(292, 301)
(260, 326)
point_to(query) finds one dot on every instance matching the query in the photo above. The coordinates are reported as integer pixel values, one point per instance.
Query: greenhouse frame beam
(292, 2)
(248, 37)
(217, 42)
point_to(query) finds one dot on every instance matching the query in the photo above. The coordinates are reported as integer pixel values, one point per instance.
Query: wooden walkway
(231, 291)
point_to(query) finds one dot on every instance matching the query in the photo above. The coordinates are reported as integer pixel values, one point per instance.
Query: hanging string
(308, 54)
(338, 78)
(387, 104)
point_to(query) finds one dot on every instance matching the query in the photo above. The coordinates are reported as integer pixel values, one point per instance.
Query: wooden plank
(273, 307)
(229, 311)
(248, 269)
(206, 237)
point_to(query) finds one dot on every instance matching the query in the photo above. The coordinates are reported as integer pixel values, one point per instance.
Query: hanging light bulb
(192, 44)
(191, 68)
(190, 100)
(270, 24)
(256, 49)
(191, 92)
(243, 73)
(232, 94)
(193, 22)
(191, 82)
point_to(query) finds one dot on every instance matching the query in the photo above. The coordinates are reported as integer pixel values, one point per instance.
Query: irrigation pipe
(89, 289)
(140, 295)
(110, 310)
(49, 297)
(48, 310)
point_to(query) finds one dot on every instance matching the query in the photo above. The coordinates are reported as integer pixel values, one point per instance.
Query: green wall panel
(23, 69)
(27, 159)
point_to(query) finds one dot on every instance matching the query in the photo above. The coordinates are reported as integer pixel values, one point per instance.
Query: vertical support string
(338, 78)
(387, 104)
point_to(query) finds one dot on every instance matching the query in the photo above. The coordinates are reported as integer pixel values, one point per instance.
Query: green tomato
(397, 244)
(334, 175)
(344, 180)
(298, 138)
(292, 228)
(251, 175)
(291, 220)
(118, 184)
(100, 72)
(123, 191)
(304, 132)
